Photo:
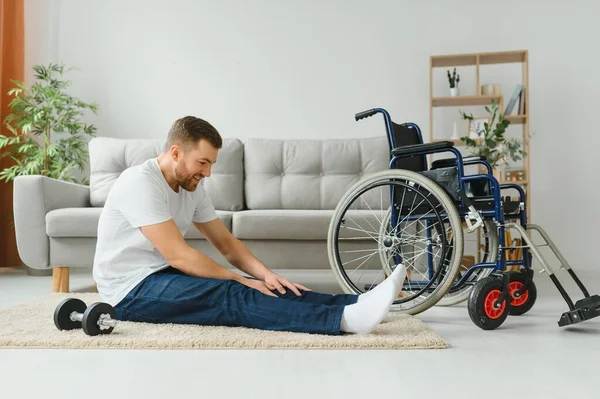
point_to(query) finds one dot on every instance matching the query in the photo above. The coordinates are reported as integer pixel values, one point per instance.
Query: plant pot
(454, 92)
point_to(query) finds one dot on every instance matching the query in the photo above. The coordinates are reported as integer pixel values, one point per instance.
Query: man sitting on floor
(148, 272)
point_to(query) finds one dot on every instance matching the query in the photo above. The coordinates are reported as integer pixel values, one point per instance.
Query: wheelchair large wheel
(362, 254)
(488, 252)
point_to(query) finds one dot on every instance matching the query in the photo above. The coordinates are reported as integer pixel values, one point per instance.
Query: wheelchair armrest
(447, 162)
(421, 148)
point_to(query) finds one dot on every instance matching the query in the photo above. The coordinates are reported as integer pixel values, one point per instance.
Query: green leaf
(39, 114)
(493, 144)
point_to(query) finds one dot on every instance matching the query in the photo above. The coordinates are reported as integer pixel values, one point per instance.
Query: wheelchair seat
(406, 139)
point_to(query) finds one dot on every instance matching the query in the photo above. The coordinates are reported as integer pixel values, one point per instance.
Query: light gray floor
(528, 357)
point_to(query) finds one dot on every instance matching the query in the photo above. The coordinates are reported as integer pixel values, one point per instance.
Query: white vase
(454, 92)
(454, 133)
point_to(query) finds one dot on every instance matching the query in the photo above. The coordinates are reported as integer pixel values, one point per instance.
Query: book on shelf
(513, 99)
(522, 102)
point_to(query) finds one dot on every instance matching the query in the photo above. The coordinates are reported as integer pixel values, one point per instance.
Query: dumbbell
(72, 313)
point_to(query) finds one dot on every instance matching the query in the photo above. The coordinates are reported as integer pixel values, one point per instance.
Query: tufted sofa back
(308, 174)
(109, 157)
(257, 174)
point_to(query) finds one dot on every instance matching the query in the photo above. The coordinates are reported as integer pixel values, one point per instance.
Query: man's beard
(189, 183)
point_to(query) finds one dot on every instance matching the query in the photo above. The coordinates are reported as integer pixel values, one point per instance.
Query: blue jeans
(171, 296)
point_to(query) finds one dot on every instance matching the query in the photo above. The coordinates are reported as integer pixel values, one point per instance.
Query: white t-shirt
(140, 196)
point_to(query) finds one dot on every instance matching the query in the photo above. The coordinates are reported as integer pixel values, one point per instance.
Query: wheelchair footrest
(585, 309)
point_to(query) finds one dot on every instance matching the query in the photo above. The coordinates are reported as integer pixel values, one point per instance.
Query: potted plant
(491, 143)
(47, 134)
(453, 79)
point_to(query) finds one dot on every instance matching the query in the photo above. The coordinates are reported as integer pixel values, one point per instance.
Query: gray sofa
(277, 196)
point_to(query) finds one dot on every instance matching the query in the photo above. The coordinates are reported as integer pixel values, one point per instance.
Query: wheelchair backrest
(403, 135)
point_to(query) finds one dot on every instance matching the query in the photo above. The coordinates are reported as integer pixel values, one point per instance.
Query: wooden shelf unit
(478, 60)
(463, 101)
(516, 119)
(497, 57)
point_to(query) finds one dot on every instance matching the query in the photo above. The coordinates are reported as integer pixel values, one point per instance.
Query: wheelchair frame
(584, 309)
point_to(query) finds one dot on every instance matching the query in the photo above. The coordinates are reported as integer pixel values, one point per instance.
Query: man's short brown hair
(189, 130)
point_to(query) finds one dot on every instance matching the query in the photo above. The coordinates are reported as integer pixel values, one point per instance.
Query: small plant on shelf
(453, 79)
(491, 143)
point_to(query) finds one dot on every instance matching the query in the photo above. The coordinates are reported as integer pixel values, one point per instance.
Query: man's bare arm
(240, 256)
(167, 238)
(232, 249)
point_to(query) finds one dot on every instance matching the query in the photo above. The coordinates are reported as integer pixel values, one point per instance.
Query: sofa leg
(60, 279)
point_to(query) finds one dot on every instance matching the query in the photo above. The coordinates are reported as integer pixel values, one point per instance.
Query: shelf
(502, 57)
(516, 119)
(454, 60)
(497, 57)
(519, 182)
(463, 101)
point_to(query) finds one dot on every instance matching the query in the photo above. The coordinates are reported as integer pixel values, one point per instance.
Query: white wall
(301, 69)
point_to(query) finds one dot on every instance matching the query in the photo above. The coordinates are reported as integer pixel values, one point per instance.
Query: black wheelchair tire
(480, 300)
(531, 292)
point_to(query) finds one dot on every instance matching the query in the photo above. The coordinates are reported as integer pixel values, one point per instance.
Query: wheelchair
(421, 216)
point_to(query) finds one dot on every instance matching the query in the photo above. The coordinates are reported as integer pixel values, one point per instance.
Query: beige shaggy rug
(31, 325)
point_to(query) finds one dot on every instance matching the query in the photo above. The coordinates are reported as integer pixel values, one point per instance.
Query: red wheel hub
(488, 304)
(514, 287)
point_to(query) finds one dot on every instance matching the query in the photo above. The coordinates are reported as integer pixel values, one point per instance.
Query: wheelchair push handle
(365, 114)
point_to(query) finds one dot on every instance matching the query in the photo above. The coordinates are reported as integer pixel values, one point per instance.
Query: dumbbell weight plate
(92, 315)
(62, 313)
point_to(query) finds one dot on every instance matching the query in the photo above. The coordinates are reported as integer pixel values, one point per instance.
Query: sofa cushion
(109, 157)
(293, 224)
(83, 222)
(308, 174)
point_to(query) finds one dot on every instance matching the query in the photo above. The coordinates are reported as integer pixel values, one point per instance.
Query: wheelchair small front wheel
(524, 302)
(483, 309)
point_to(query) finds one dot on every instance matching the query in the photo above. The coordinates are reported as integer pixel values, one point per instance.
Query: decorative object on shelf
(514, 175)
(39, 116)
(455, 133)
(453, 79)
(477, 127)
(491, 89)
(492, 144)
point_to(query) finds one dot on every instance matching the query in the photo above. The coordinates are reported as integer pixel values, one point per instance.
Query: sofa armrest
(33, 197)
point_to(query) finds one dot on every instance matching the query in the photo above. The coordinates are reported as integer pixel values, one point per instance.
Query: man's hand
(275, 282)
(258, 285)
(240, 256)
